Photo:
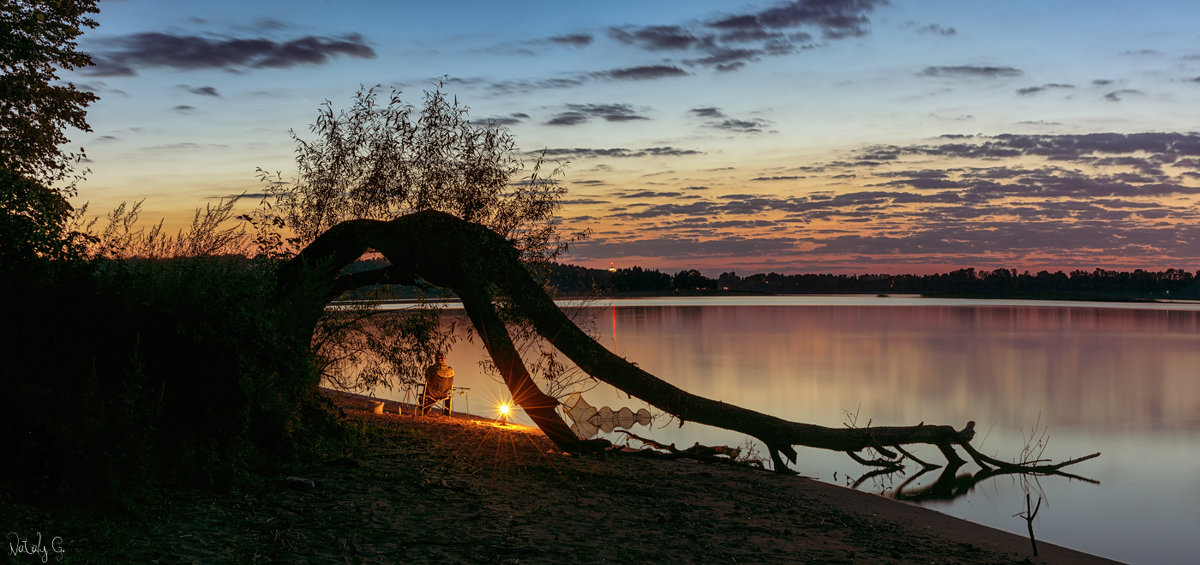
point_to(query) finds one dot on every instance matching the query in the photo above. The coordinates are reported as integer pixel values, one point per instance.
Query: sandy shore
(449, 490)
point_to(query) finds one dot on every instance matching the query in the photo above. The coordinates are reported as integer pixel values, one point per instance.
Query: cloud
(710, 112)
(834, 18)
(572, 40)
(1036, 89)
(971, 71)
(717, 119)
(730, 42)
(648, 72)
(742, 126)
(202, 90)
(932, 29)
(124, 56)
(684, 248)
(511, 119)
(576, 114)
(650, 194)
(1001, 200)
(776, 178)
(656, 38)
(184, 109)
(1118, 95)
(618, 152)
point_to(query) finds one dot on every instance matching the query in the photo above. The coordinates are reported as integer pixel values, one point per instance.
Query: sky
(847, 136)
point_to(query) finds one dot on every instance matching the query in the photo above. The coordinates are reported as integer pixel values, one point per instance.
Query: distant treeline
(1097, 284)
(999, 283)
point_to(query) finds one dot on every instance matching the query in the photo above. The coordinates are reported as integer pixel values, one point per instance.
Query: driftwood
(481, 267)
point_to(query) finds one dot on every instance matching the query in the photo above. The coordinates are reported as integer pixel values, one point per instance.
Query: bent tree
(483, 269)
(433, 193)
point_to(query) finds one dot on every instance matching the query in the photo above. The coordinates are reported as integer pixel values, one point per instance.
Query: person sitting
(439, 385)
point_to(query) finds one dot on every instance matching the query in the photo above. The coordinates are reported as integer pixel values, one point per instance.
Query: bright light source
(504, 409)
(504, 413)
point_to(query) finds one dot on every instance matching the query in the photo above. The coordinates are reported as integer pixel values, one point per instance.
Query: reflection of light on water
(614, 324)
(1120, 380)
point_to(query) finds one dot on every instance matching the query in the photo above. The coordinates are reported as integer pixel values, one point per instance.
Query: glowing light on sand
(504, 409)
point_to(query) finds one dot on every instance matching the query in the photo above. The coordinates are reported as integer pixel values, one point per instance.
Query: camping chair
(438, 390)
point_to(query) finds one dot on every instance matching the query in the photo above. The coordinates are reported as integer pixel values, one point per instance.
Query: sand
(449, 490)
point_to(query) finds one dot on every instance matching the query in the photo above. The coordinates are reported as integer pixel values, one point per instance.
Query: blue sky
(834, 135)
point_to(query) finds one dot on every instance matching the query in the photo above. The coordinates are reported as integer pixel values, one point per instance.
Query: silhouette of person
(439, 381)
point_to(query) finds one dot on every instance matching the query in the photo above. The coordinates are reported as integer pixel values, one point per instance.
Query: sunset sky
(825, 136)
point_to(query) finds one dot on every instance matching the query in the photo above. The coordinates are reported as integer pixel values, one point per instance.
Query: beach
(469, 490)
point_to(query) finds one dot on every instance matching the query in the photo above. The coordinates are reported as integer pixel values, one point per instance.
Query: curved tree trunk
(479, 265)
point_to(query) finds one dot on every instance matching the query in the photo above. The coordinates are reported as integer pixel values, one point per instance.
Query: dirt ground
(436, 489)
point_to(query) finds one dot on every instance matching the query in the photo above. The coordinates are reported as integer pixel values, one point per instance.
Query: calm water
(1120, 379)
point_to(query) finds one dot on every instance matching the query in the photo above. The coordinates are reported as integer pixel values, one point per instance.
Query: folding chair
(438, 390)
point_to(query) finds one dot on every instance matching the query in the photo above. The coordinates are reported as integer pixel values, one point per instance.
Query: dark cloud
(522, 86)
(649, 194)
(618, 152)
(576, 114)
(240, 196)
(656, 38)
(649, 72)
(122, 56)
(742, 126)
(184, 109)
(834, 18)
(776, 178)
(203, 90)
(971, 71)
(933, 29)
(732, 41)
(708, 112)
(573, 40)
(728, 59)
(684, 248)
(1089, 197)
(583, 201)
(1036, 89)
(1166, 146)
(1118, 95)
(509, 120)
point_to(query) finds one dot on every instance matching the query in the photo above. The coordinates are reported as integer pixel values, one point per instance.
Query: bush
(122, 374)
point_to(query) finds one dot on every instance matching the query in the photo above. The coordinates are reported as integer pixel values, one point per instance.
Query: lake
(1120, 379)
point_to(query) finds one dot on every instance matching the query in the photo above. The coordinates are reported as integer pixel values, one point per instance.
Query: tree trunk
(479, 265)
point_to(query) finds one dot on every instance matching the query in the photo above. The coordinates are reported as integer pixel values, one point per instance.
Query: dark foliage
(1098, 284)
(33, 223)
(35, 109)
(118, 375)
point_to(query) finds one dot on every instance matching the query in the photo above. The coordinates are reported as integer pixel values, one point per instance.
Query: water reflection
(1119, 379)
(1091, 367)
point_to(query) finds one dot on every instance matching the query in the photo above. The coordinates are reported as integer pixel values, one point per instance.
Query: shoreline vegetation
(431, 488)
(1098, 285)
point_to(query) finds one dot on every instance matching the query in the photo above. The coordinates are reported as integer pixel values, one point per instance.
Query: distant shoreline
(1040, 297)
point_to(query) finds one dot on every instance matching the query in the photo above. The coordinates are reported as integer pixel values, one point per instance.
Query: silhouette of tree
(483, 269)
(382, 158)
(39, 39)
(36, 175)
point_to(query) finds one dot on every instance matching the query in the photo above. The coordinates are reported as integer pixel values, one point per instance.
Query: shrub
(121, 374)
